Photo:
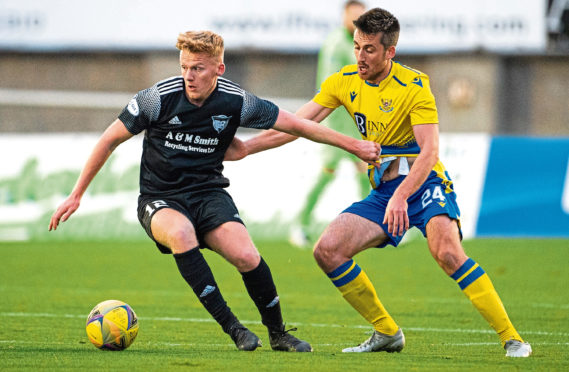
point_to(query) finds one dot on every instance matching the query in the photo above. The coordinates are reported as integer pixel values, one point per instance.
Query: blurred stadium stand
(477, 91)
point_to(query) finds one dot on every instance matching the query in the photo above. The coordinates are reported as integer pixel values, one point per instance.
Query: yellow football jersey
(386, 112)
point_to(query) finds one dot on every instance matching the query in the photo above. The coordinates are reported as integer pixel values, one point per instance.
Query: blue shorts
(435, 197)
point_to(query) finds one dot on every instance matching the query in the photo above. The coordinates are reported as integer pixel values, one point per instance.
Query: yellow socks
(357, 289)
(477, 286)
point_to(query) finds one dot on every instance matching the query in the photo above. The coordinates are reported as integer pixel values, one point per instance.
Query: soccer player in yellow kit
(393, 105)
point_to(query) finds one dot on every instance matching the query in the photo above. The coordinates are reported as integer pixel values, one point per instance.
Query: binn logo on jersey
(361, 123)
(220, 122)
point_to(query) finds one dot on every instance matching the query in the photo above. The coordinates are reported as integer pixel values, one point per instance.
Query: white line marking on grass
(494, 343)
(256, 322)
(466, 301)
(551, 306)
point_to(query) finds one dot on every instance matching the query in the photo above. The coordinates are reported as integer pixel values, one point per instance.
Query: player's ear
(221, 69)
(390, 53)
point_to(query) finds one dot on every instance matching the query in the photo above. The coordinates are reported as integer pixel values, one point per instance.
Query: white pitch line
(494, 343)
(210, 320)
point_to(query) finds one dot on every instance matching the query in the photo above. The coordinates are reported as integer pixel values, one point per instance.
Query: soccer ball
(112, 325)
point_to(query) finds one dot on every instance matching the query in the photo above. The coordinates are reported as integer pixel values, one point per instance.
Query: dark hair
(378, 20)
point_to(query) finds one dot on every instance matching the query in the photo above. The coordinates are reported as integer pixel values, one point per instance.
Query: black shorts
(205, 209)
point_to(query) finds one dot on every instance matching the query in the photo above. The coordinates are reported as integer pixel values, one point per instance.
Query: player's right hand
(63, 212)
(368, 151)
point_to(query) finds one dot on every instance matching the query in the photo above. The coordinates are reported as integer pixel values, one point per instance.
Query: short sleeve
(424, 110)
(142, 109)
(327, 95)
(258, 113)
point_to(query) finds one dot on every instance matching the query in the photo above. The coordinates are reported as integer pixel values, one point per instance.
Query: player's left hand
(368, 151)
(237, 150)
(396, 216)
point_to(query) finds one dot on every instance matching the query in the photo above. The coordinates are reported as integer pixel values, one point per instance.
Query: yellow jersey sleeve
(424, 108)
(328, 95)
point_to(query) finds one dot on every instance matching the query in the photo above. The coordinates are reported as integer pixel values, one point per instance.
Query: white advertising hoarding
(269, 188)
(503, 26)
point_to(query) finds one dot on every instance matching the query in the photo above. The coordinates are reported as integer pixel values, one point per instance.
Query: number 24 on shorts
(427, 197)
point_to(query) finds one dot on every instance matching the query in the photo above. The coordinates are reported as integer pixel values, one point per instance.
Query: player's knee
(449, 256)
(181, 240)
(324, 252)
(246, 260)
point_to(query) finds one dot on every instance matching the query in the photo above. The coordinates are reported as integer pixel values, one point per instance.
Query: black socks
(261, 288)
(196, 272)
(259, 284)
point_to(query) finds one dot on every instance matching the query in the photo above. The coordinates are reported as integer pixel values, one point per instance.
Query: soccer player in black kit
(189, 123)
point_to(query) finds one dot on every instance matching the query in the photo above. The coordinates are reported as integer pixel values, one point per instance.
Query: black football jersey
(184, 145)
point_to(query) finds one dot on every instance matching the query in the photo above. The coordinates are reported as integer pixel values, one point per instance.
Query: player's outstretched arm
(366, 150)
(274, 138)
(269, 139)
(113, 136)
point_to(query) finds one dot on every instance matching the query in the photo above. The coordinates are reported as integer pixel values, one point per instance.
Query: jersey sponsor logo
(353, 95)
(418, 81)
(220, 122)
(190, 138)
(184, 141)
(361, 123)
(386, 105)
(175, 121)
(133, 107)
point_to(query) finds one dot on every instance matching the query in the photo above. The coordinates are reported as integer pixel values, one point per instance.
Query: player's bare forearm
(396, 216)
(289, 123)
(115, 134)
(428, 141)
(418, 173)
(275, 138)
(268, 140)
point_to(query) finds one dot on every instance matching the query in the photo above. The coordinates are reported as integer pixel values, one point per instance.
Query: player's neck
(384, 73)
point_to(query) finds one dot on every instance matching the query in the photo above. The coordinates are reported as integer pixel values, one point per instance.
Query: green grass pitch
(48, 288)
